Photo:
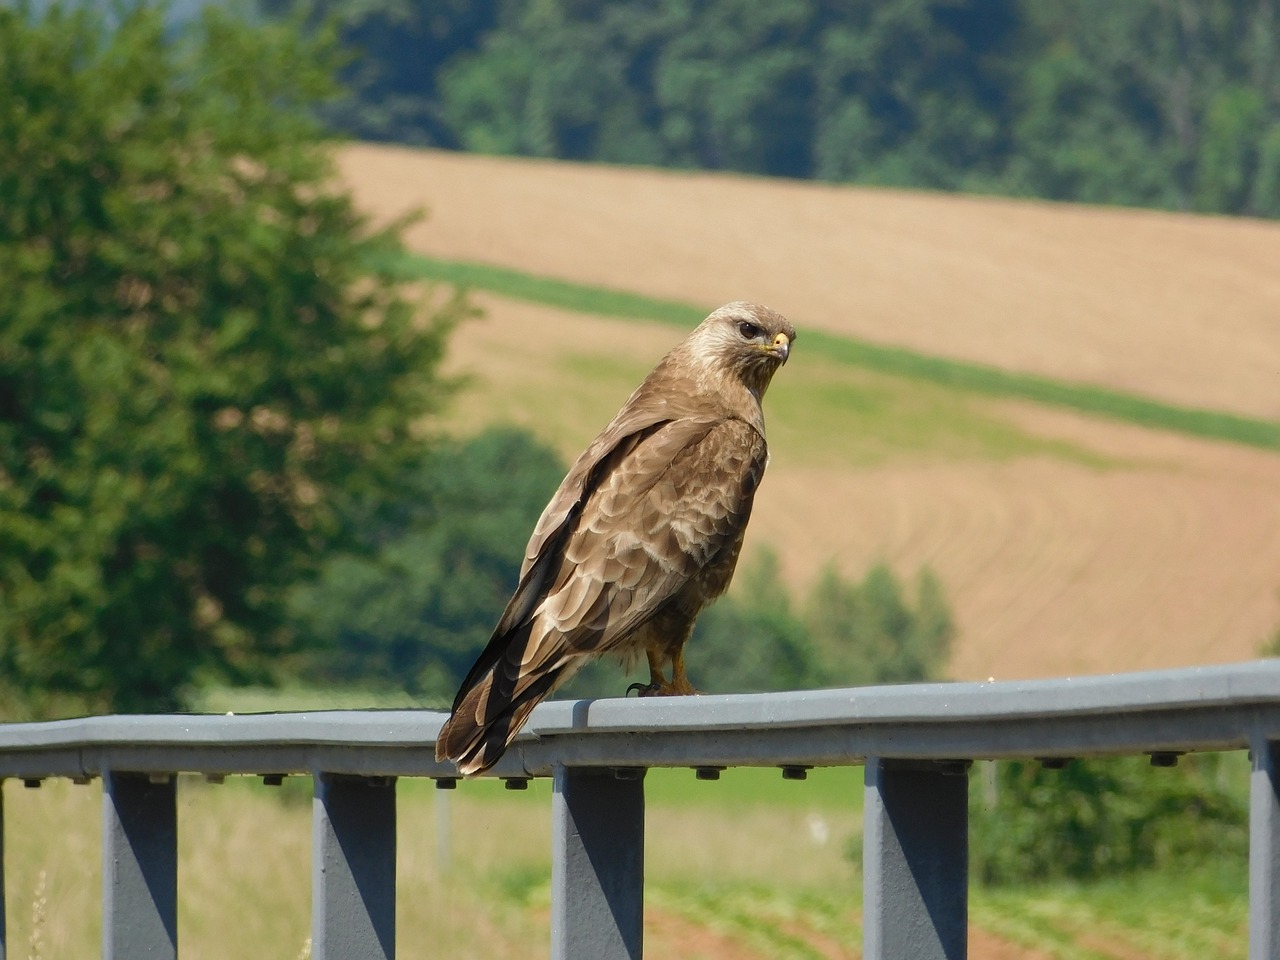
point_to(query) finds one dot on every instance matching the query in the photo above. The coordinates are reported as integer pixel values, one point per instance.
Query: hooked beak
(780, 347)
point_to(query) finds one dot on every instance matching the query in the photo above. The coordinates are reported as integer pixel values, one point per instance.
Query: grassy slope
(1163, 305)
(764, 880)
(1162, 557)
(839, 416)
(900, 362)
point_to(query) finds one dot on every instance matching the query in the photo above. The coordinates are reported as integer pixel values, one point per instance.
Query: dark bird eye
(749, 331)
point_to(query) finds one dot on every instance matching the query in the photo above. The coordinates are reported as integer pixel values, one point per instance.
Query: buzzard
(643, 533)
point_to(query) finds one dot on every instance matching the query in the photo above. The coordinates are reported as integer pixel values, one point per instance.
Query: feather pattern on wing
(643, 532)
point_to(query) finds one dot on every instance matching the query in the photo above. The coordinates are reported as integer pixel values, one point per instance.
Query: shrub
(1104, 817)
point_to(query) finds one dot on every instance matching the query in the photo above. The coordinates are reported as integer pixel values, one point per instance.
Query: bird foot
(662, 689)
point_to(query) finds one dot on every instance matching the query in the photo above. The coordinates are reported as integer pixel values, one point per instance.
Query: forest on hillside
(1162, 103)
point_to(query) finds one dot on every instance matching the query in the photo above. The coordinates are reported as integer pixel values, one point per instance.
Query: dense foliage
(1105, 817)
(414, 605)
(1148, 102)
(200, 374)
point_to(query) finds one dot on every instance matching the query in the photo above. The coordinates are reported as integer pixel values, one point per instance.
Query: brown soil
(987, 946)
(669, 936)
(1186, 308)
(1055, 569)
(1170, 557)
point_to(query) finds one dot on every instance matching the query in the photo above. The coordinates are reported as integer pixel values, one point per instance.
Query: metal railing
(916, 743)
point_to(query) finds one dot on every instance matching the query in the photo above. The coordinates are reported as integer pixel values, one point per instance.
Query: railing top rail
(1202, 708)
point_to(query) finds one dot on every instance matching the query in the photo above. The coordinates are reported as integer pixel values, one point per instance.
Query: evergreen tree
(869, 632)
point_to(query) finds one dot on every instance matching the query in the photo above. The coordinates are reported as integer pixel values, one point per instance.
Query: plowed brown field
(1164, 552)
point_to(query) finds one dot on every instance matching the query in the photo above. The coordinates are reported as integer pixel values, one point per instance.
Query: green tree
(913, 92)
(1227, 166)
(558, 79)
(1156, 104)
(413, 607)
(750, 641)
(904, 92)
(399, 48)
(201, 370)
(870, 632)
(733, 85)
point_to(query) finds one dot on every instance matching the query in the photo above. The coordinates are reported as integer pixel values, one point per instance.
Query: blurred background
(306, 308)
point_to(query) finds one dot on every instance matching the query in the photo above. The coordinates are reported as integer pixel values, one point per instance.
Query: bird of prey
(642, 534)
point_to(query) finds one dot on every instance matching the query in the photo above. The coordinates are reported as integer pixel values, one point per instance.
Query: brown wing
(652, 511)
(662, 399)
(662, 514)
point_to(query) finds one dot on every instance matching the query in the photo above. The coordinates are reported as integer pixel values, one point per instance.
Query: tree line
(1162, 103)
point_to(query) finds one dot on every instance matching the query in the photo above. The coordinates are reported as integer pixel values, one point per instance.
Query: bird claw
(657, 689)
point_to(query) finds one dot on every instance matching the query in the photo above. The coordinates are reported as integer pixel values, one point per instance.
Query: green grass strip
(956, 374)
(992, 381)
(546, 290)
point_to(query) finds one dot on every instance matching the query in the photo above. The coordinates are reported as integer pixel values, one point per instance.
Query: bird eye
(749, 331)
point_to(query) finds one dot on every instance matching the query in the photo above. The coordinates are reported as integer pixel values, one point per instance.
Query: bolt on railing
(916, 743)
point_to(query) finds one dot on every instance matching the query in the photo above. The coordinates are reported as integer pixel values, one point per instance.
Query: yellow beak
(781, 347)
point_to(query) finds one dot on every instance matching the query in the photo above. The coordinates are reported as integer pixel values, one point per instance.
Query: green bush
(754, 640)
(870, 632)
(1105, 817)
(750, 641)
(413, 608)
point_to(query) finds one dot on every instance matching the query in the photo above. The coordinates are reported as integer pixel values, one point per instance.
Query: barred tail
(487, 716)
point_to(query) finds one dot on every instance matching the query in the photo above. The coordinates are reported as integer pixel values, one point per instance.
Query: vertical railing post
(4, 910)
(597, 865)
(915, 861)
(1264, 852)
(353, 868)
(139, 867)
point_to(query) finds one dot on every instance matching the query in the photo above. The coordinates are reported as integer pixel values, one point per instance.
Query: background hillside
(228, 454)
(1144, 103)
(1067, 543)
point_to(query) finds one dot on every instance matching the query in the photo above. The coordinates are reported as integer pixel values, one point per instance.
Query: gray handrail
(915, 740)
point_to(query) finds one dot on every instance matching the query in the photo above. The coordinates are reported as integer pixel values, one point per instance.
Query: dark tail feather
(487, 717)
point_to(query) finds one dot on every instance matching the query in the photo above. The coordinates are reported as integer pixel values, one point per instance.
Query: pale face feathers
(741, 341)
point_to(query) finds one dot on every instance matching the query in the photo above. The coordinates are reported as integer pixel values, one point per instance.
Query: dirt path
(669, 936)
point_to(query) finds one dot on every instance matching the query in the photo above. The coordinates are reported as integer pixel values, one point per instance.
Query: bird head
(747, 341)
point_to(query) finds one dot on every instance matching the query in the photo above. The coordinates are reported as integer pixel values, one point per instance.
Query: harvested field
(1067, 545)
(1056, 569)
(1183, 308)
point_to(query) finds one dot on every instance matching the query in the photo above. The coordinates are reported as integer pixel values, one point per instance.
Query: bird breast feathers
(642, 528)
